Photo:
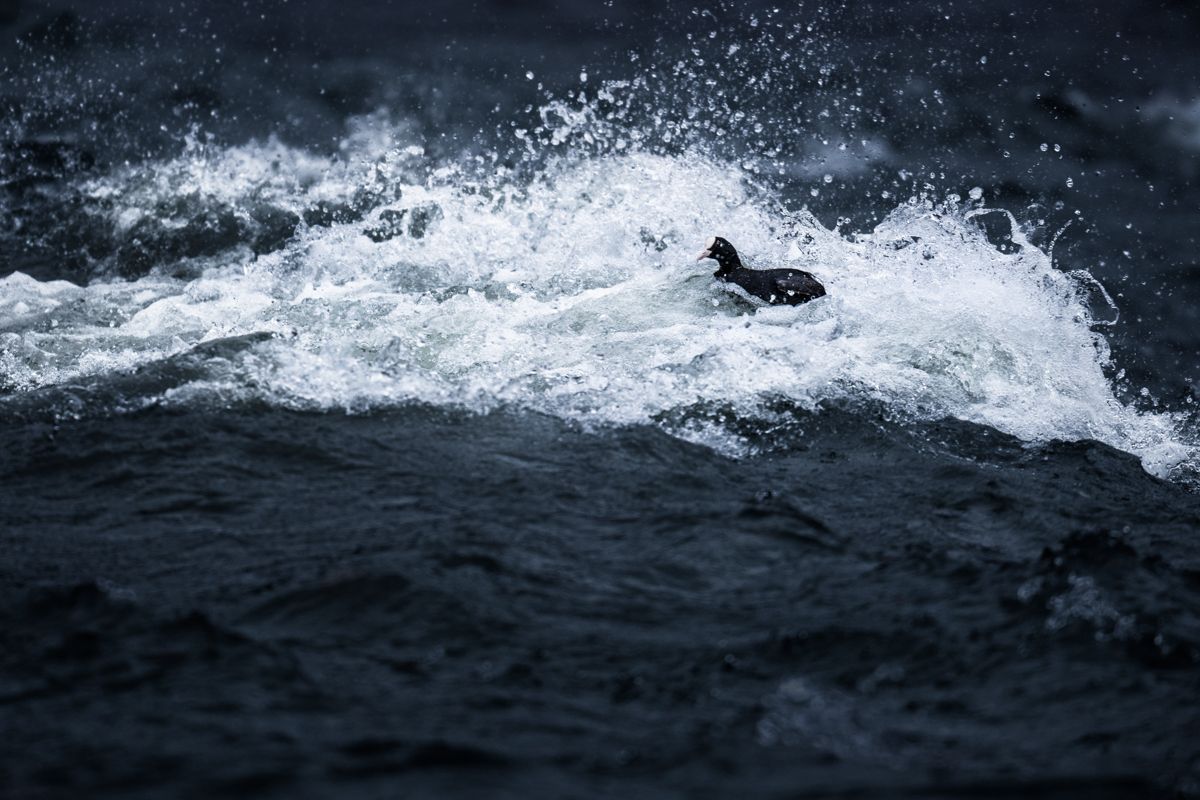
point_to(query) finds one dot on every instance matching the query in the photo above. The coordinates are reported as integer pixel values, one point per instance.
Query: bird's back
(779, 286)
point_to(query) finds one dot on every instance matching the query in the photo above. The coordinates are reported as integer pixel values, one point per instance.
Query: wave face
(564, 284)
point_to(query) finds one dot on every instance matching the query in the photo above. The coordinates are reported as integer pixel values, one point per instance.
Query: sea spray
(567, 288)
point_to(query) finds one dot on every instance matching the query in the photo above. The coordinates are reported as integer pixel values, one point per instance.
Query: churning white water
(575, 292)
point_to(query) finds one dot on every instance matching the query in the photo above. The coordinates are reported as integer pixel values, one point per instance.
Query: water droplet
(828, 179)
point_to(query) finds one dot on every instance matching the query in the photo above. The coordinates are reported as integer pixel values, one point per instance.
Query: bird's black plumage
(776, 286)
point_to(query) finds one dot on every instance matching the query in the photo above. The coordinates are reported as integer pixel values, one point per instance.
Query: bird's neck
(726, 264)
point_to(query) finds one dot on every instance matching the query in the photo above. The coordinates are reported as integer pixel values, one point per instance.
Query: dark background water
(255, 601)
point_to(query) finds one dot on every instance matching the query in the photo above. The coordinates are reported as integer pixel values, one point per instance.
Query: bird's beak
(704, 255)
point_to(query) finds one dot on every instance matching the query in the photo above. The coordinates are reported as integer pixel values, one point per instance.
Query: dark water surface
(463, 605)
(367, 430)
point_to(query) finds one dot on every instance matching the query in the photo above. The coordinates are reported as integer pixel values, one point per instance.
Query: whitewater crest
(383, 278)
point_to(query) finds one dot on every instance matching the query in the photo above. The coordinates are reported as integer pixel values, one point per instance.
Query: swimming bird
(777, 286)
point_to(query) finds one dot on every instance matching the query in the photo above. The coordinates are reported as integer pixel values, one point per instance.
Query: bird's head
(721, 250)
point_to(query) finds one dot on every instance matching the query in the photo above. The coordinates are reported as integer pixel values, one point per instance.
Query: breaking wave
(566, 285)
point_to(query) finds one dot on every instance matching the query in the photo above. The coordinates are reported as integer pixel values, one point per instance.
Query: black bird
(777, 286)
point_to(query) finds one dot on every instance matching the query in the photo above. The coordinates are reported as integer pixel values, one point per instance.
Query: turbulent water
(572, 291)
(438, 406)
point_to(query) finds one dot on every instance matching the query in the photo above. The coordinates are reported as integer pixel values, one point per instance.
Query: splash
(568, 290)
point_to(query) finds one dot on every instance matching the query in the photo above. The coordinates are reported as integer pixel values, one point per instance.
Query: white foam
(576, 294)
